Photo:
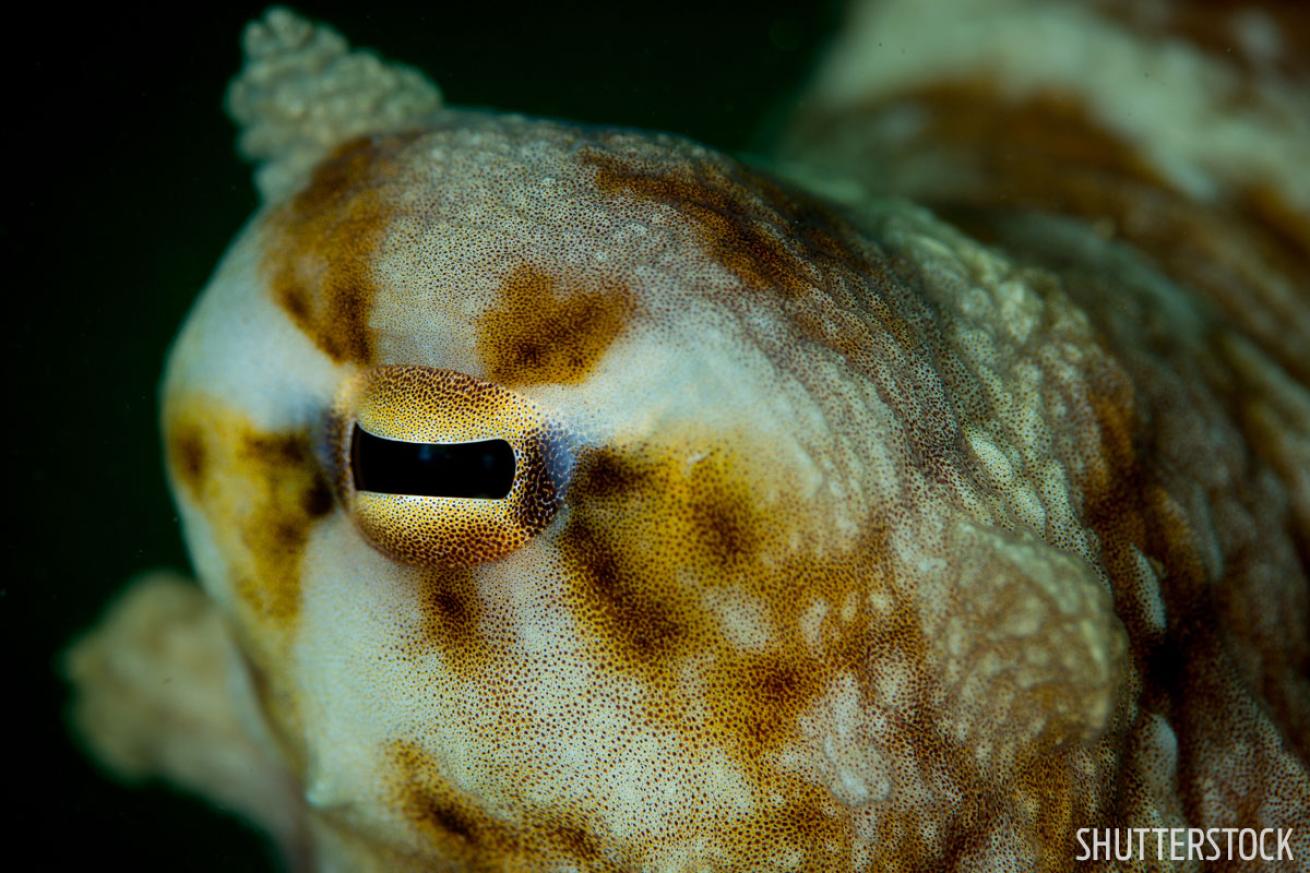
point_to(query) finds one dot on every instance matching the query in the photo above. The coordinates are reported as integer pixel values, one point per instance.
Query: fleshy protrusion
(303, 91)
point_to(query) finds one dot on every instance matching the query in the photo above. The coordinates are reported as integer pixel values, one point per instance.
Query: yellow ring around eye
(428, 405)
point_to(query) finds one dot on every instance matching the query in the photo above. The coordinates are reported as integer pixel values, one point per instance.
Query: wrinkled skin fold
(846, 532)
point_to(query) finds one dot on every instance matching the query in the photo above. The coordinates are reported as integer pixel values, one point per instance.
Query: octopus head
(583, 496)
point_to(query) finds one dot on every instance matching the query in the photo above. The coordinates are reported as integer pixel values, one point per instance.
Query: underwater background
(125, 190)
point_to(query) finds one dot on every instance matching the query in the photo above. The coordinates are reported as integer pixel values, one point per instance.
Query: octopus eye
(436, 467)
(482, 470)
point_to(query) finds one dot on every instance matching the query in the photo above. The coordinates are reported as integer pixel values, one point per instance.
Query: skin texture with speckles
(844, 535)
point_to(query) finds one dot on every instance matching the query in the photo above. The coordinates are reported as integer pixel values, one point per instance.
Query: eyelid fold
(429, 405)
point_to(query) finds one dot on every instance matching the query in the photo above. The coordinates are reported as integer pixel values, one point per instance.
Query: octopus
(918, 496)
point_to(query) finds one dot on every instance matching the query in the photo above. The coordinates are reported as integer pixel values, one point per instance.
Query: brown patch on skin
(1247, 255)
(768, 236)
(1034, 142)
(1283, 229)
(449, 820)
(266, 488)
(921, 732)
(577, 841)
(729, 529)
(1220, 29)
(189, 457)
(455, 827)
(780, 692)
(457, 831)
(636, 517)
(648, 535)
(322, 244)
(262, 493)
(1051, 781)
(603, 472)
(608, 581)
(611, 598)
(294, 496)
(543, 331)
(451, 618)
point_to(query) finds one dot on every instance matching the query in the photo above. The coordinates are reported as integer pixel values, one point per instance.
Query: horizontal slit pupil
(480, 470)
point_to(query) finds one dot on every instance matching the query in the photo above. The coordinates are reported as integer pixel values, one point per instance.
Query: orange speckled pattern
(418, 404)
(262, 492)
(323, 240)
(843, 535)
(537, 335)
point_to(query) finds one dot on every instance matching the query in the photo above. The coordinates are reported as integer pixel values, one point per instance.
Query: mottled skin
(843, 537)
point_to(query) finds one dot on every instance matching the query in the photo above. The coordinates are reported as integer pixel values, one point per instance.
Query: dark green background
(123, 190)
